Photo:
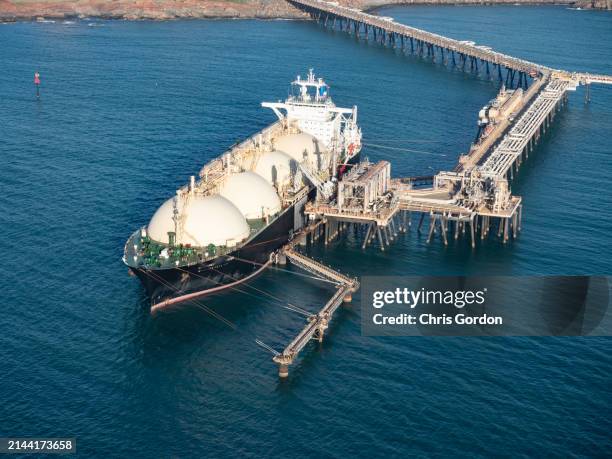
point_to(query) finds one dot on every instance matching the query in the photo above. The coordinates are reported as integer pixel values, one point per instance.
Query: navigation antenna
(175, 212)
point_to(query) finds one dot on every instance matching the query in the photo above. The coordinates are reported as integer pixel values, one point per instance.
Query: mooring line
(254, 288)
(410, 150)
(196, 302)
(281, 302)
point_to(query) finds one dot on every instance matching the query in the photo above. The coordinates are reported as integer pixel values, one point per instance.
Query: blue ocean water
(130, 109)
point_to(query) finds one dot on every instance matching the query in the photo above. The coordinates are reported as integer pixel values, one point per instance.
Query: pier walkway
(315, 329)
(385, 29)
(528, 128)
(308, 264)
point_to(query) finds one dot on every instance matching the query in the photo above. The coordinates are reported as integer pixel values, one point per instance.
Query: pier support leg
(472, 233)
(393, 227)
(283, 370)
(443, 229)
(421, 222)
(432, 226)
(506, 229)
(587, 94)
(483, 226)
(380, 239)
(367, 236)
(385, 231)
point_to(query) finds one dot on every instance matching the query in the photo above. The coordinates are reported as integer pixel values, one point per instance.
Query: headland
(19, 10)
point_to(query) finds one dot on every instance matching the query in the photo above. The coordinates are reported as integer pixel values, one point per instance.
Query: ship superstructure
(222, 227)
(311, 110)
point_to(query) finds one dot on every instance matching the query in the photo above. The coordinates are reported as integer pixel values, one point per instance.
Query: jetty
(475, 195)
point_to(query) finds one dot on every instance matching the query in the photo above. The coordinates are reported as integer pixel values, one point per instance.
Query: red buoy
(37, 83)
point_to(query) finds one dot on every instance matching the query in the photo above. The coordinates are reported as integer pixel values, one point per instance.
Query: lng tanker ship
(224, 226)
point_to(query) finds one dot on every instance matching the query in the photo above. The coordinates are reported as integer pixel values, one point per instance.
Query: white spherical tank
(251, 194)
(303, 147)
(161, 222)
(276, 167)
(204, 220)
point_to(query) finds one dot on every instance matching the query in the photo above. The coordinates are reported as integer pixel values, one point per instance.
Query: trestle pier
(450, 218)
(475, 196)
(462, 55)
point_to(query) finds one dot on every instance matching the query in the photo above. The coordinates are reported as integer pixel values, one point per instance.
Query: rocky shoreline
(18, 10)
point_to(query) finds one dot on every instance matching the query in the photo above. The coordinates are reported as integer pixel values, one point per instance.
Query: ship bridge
(310, 109)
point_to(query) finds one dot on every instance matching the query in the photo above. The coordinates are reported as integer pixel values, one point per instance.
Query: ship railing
(151, 257)
(236, 152)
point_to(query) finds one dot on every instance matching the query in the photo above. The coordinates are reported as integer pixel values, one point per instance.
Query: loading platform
(474, 197)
